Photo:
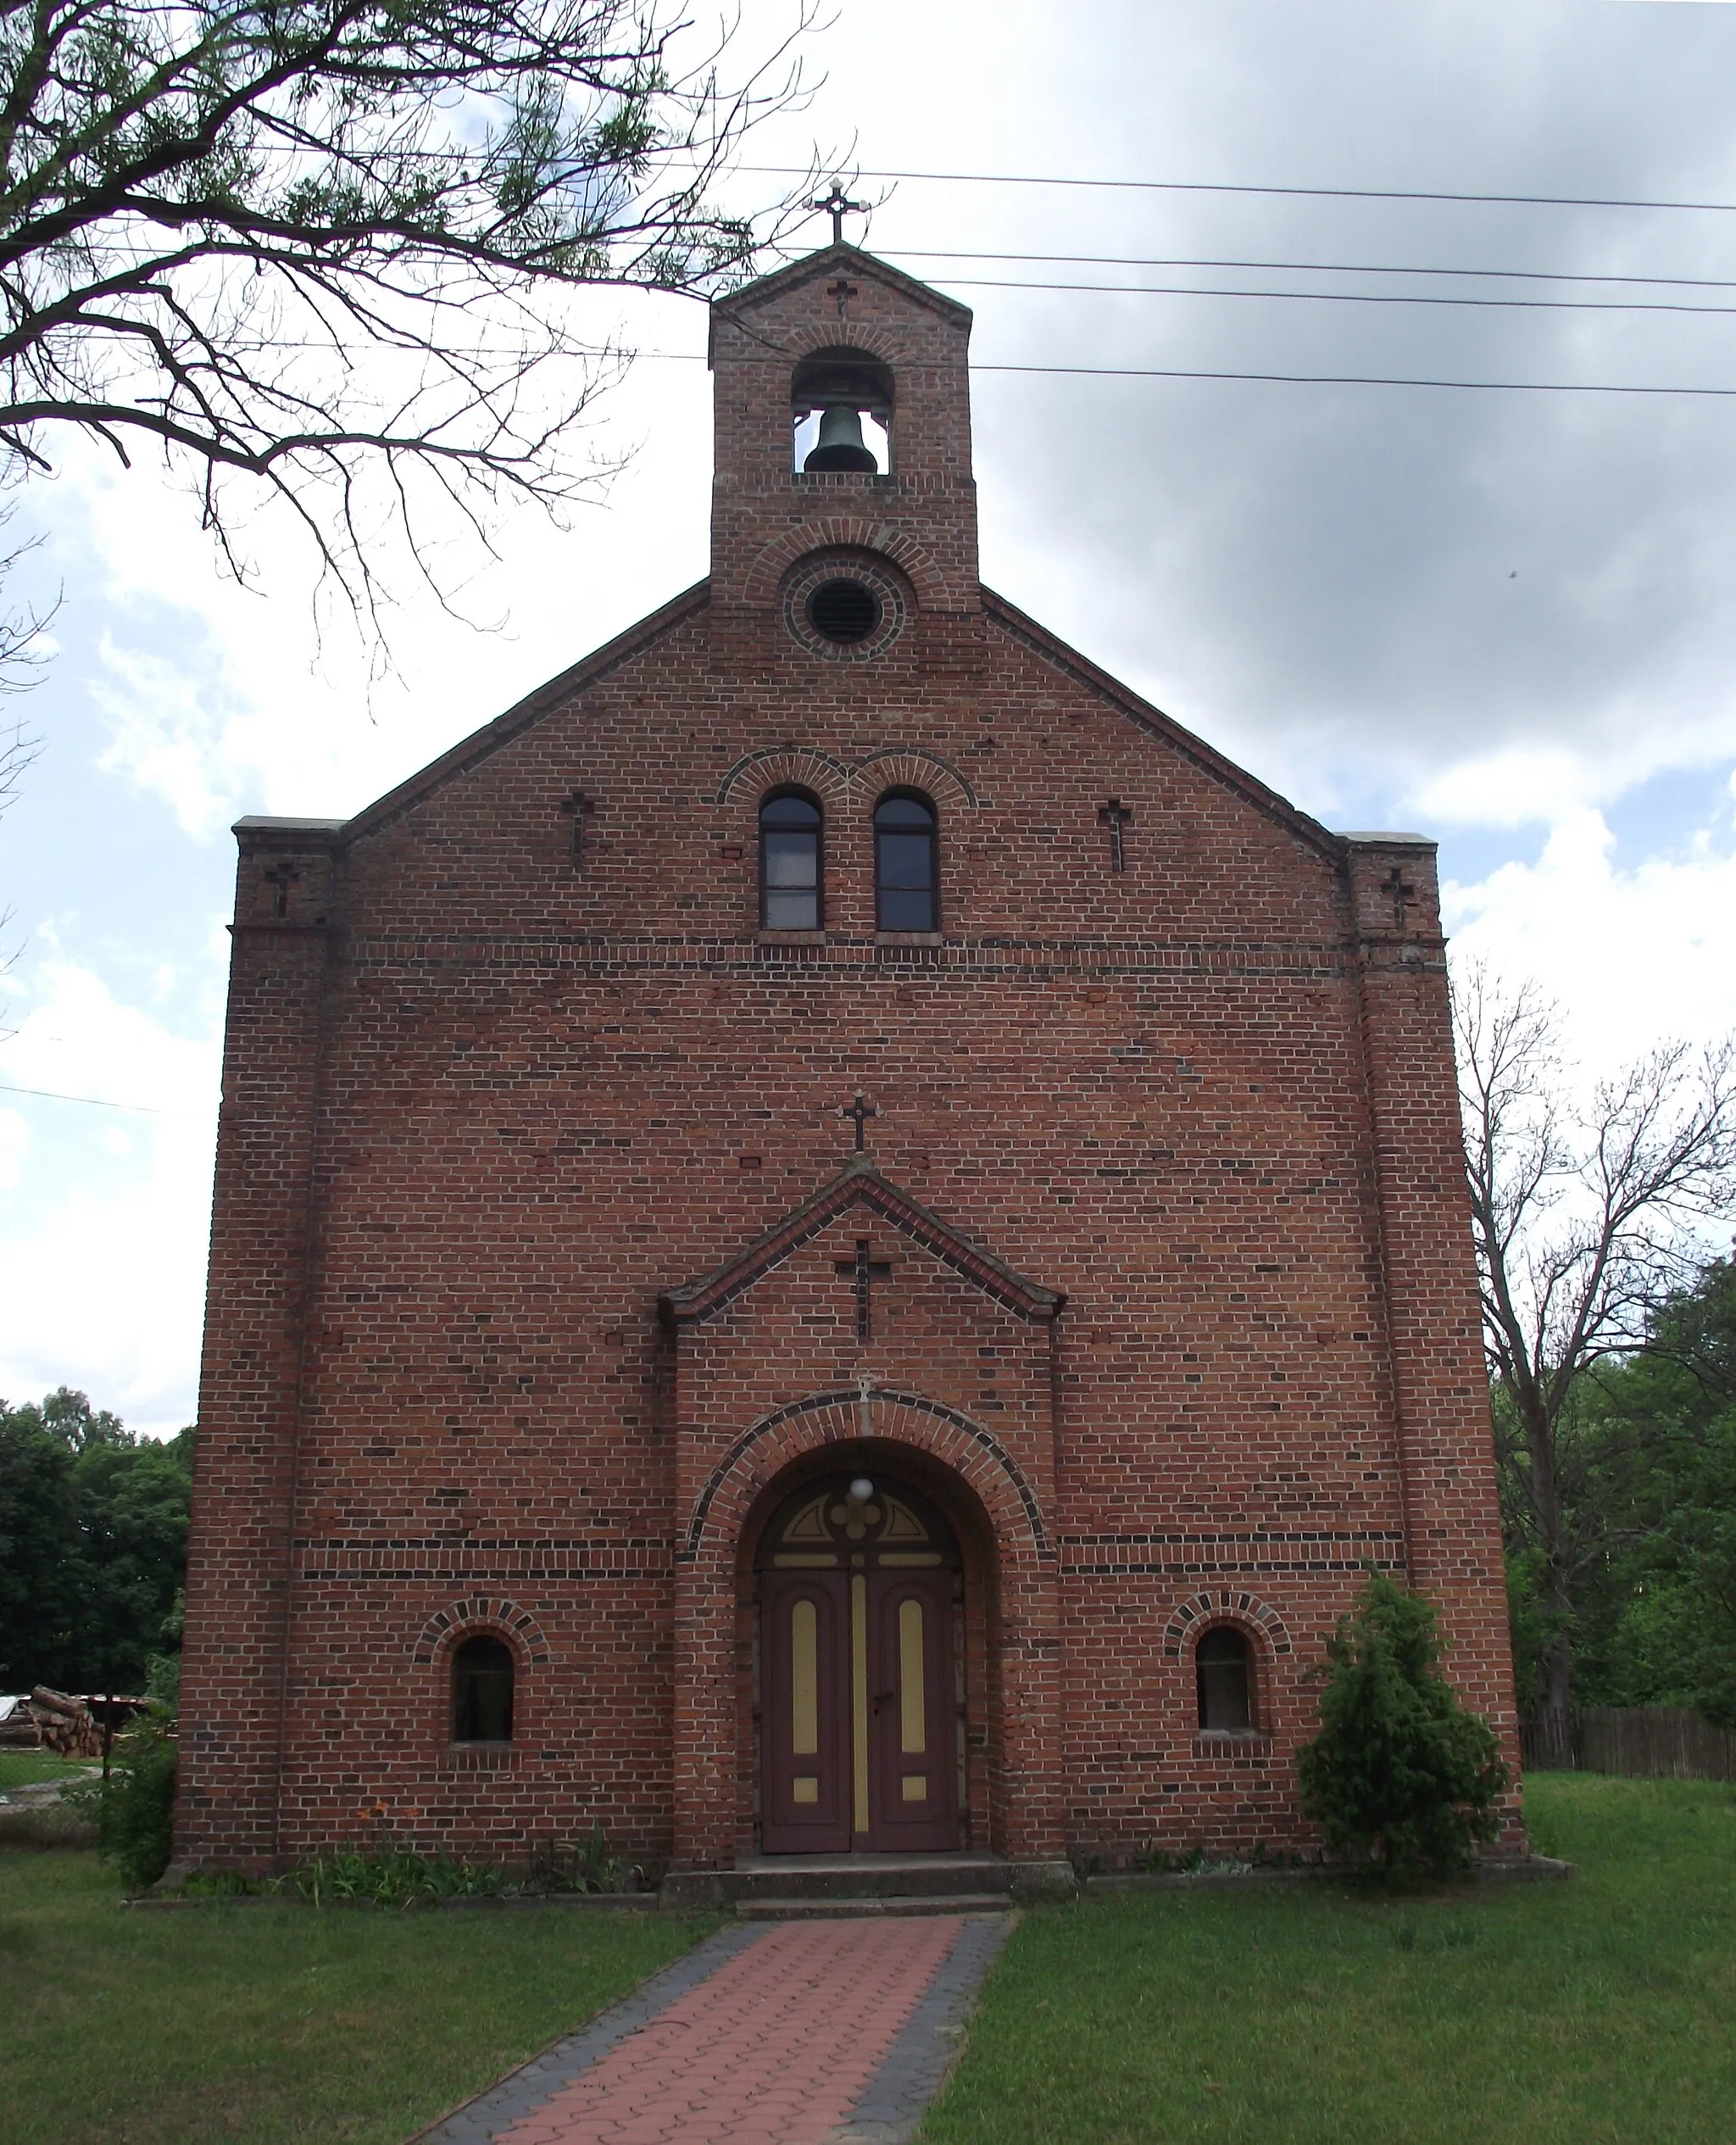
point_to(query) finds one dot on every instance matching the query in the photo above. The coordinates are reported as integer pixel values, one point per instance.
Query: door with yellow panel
(859, 1705)
(806, 1717)
(912, 1761)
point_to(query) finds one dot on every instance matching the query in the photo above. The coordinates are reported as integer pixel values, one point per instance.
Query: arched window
(789, 862)
(906, 875)
(481, 1691)
(1223, 1671)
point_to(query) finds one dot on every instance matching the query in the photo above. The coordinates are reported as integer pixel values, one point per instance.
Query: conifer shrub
(1399, 1773)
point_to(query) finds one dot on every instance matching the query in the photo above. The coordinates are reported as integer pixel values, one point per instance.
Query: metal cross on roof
(835, 206)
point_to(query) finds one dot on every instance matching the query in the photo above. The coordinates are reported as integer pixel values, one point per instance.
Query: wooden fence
(1667, 1742)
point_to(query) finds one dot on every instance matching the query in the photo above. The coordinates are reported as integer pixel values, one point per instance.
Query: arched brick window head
(481, 1691)
(1223, 1671)
(789, 862)
(906, 864)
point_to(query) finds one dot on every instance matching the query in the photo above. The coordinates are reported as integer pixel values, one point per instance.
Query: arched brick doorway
(872, 1638)
(1008, 1652)
(862, 1652)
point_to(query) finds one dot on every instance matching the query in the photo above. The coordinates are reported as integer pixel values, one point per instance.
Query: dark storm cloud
(1378, 578)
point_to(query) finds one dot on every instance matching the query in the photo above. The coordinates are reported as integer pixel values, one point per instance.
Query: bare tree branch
(1588, 1219)
(211, 213)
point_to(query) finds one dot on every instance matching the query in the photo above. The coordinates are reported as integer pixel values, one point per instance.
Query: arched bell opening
(840, 414)
(866, 1663)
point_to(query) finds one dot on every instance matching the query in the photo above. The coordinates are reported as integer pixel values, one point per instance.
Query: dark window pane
(903, 866)
(481, 1692)
(789, 864)
(906, 861)
(904, 910)
(791, 859)
(788, 909)
(1223, 1669)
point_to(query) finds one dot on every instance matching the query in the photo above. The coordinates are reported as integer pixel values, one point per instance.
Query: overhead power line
(1347, 298)
(97, 1101)
(1323, 268)
(1304, 379)
(1206, 186)
(1360, 380)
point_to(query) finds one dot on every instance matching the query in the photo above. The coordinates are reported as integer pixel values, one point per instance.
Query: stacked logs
(53, 1722)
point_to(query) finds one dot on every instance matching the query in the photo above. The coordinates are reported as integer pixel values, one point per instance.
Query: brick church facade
(830, 1235)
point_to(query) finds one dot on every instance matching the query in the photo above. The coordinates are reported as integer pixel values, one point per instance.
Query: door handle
(883, 1699)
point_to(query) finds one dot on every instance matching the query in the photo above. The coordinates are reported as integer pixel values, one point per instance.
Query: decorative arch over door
(861, 1599)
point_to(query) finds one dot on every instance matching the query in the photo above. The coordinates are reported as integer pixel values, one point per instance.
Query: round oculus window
(844, 611)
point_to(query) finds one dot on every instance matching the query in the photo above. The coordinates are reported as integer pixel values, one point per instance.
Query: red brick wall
(480, 1119)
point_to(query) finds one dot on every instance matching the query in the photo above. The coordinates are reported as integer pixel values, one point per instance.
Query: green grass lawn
(21, 1768)
(247, 2026)
(1598, 2012)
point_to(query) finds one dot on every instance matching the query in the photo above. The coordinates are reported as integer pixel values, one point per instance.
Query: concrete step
(909, 1903)
(857, 1878)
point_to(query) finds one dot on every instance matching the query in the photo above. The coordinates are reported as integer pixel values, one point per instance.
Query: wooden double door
(859, 1728)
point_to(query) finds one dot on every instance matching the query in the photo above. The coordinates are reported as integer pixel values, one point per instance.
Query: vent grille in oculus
(844, 611)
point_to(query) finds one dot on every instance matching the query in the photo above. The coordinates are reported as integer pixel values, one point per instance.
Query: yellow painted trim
(904, 1558)
(806, 1788)
(913, 1707)
(915, 1787)
(805, 1680)
(859, 1696)
(805, 1563)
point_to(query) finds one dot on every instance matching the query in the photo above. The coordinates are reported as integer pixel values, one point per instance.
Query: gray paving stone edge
(511, 2098)
(930, 2042)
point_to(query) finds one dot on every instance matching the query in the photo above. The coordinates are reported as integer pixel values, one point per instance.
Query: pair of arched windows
(793, 863)
(483, 1685)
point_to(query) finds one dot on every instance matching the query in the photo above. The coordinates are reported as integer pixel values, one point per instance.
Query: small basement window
(481, 1691)
(1223, 1671)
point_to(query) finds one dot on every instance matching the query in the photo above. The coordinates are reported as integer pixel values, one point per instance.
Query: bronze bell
(840, 445)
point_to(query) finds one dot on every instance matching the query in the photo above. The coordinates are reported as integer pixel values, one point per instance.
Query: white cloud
(14, 1146)
(1634, 954)
(103, 1240)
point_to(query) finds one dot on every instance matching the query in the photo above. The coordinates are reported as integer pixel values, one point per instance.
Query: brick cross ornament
(865, 1271)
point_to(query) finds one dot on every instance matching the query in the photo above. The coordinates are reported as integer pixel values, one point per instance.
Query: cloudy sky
(1507, 618)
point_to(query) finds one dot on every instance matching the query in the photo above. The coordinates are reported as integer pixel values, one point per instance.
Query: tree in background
(41, 1558)
(1656, 1616)
(1399, 1771)
(92, 1547)
(1587, 1223)
(284, 244)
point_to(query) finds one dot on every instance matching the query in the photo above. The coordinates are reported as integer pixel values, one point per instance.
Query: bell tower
(842, 428)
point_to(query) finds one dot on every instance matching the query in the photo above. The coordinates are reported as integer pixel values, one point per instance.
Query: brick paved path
(775, 2047)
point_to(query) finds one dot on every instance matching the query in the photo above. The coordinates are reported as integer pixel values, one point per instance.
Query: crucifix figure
(838, 208)
(580, 807)
(282, 877)
(844, 292)
(1115, 816)
(1403, 895)
(865, 1271)
(861, 1111)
